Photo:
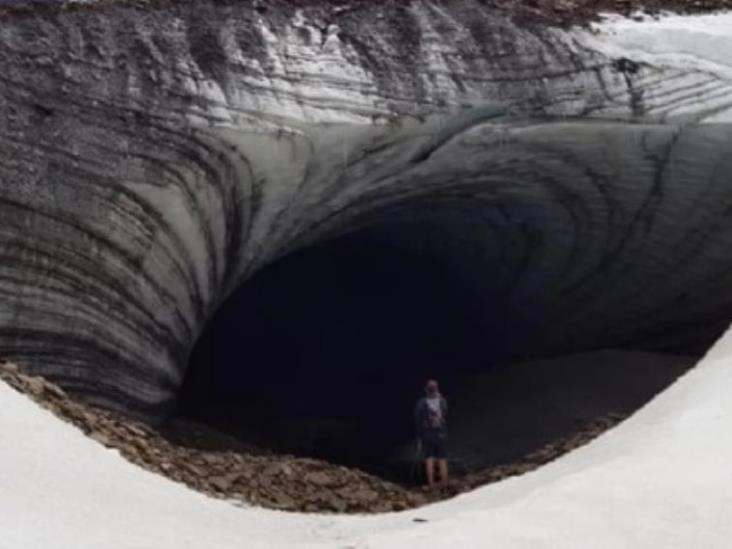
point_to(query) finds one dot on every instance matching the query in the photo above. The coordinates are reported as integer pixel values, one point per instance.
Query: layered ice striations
(151, 160)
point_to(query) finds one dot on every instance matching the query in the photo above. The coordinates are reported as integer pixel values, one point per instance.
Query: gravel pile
(223, 467)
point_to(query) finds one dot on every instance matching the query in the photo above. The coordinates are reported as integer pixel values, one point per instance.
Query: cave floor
(224, 467)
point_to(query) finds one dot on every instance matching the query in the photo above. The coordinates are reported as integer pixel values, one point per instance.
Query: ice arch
(151, 165)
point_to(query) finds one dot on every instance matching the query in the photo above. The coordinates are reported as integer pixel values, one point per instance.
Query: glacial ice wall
(151, 159)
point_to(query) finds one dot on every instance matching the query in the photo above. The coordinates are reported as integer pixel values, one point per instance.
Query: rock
(221, 483)
(9, 367)
(365, 496)
(211, 459)
(101, 438)
(334, 503)
(274, 470)
(195, 469)
(34, 385)
(318, 478)
(136, 430)
(283, 501)
(287, 470)
(55, 390)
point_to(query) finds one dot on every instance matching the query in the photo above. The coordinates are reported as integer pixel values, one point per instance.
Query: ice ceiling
(151, 166)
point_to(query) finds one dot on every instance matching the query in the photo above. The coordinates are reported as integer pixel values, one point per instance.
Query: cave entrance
(324, 352)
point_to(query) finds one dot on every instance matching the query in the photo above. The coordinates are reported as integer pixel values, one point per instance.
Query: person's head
(432, 387)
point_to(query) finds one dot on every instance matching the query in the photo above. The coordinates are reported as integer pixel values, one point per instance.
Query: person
(431, 419)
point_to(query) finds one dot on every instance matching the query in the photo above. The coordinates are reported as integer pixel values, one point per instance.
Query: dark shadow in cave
(324, 352)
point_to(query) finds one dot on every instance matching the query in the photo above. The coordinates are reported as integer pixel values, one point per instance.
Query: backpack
(434, 419)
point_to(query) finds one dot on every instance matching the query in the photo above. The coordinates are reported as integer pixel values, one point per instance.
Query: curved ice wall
(151, 159)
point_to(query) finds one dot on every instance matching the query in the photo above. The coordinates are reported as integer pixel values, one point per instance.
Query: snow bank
(699, 44)
(661, 480)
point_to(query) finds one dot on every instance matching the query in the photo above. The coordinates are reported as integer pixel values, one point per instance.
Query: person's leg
(430, 465)
(443, 472)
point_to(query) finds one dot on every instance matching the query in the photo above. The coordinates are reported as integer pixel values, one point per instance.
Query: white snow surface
(659, 480)
(662, 479)
(701, 44)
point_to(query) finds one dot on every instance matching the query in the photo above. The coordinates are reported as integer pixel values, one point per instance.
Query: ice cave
(279, 218)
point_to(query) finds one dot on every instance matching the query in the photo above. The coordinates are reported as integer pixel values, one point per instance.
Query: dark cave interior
(324, 353)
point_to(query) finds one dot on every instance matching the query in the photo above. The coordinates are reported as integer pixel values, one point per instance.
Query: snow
(661, 479)
(699, 44)
(694, 42)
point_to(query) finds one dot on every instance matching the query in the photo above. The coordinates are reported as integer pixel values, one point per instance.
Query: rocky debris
(219, 465)
(223, 467)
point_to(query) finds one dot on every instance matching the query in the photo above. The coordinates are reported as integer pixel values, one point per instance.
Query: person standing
(431, 420)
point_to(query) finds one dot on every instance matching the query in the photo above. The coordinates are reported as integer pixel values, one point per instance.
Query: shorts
(434, 446)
